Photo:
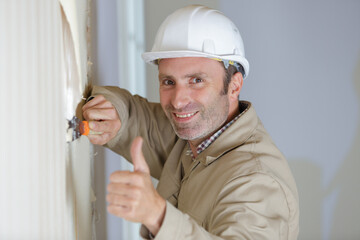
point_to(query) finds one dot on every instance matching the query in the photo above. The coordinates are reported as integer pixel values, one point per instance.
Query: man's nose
(181, 97)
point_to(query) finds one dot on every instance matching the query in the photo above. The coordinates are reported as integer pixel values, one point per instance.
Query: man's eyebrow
(196, 74)
(189, 75)
(162, 75)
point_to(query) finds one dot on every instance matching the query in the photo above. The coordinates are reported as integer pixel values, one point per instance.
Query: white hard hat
(198, 31)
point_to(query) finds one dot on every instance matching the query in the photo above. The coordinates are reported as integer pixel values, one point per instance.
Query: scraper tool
(76, 128)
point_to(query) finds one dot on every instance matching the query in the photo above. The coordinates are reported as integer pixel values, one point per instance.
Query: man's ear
(235, 86)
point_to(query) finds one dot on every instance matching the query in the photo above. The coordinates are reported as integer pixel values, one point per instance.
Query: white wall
(33, 200)
(44, 181)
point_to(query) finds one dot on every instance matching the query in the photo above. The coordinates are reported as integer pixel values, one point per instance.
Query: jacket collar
(232, 137)
(169, 182)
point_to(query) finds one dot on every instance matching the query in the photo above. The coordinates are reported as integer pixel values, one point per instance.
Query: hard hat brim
(151, 57)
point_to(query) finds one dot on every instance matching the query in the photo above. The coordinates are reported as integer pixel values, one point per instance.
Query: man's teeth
(184, 115)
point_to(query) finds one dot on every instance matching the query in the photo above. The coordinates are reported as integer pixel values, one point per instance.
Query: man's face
(191, 96)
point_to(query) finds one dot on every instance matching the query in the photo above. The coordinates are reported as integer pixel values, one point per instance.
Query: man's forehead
(200, 60)
(189, 66)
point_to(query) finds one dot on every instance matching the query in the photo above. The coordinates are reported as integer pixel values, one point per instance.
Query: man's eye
(168, 82)
(196, 80)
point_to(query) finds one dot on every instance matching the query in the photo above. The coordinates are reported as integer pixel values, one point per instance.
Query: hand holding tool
(76, 128)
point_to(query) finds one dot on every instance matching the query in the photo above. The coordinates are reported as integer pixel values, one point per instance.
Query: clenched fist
(103, 118)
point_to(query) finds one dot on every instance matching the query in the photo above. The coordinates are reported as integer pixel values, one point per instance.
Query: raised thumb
(137, 156)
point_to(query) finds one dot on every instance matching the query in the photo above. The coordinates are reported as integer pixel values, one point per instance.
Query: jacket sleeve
(248, 207)
(140, 118)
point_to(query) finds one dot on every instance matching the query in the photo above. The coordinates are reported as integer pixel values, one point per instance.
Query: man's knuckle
(136, 193)
(105, 138)
(117, 125)
(109, 104)
(86, 114)
(113, 113)
(135, 179)
(108, 125)
(109, 198)
(114, 176)
(100, 98)
(112, 209)
(140, 179)
(96, 140)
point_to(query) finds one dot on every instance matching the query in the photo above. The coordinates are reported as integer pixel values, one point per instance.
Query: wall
(32, 169)
(104, 48)
(304, 82)
(117, 37)
(45, 182)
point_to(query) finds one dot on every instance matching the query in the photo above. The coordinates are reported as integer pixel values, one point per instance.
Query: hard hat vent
(209, 46)
(236, 51)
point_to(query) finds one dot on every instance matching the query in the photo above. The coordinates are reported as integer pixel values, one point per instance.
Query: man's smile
(184, 116)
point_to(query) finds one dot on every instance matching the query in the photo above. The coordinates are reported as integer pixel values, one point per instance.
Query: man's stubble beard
(211, 119)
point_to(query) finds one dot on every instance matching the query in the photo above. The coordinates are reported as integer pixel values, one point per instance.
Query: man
(220, 175)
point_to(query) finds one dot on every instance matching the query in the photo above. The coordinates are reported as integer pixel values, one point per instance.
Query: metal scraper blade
(73, 130)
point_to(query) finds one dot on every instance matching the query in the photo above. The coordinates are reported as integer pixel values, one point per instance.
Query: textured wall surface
(44, 181)
(33, 202)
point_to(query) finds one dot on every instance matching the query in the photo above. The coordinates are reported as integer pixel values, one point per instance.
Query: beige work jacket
(240, 187)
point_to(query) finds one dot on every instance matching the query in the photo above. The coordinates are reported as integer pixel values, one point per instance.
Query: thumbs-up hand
(137, 156)
(132, 195)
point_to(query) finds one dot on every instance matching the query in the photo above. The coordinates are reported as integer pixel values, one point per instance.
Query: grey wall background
(104, 49)
(305, 84)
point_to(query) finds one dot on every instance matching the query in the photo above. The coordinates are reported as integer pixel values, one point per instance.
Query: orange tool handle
(84, 128)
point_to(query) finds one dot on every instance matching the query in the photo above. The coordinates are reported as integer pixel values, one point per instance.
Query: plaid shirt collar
(207, 142)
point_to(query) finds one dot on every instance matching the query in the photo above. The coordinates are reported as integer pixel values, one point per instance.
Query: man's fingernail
(89, 98)
(92, 124)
